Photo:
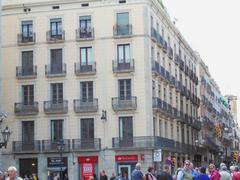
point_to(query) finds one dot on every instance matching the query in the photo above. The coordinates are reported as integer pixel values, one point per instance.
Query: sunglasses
(187, 164)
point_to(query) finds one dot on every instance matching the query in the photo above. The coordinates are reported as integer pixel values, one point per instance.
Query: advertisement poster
(87, 171)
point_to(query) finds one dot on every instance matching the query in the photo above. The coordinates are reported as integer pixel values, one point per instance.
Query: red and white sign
(124, 158)
(87, 169)
(87, 163)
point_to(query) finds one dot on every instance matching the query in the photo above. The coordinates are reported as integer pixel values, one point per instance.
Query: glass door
(125, 171)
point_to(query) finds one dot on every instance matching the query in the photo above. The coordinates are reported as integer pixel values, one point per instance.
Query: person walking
(214, 174)
(203, 175)
(12, 173)
(165, 175)
(225, 175)
(236, 173)
(185, 173)
(112, 177)
(103, 175)
(137, 173)
(150, 174)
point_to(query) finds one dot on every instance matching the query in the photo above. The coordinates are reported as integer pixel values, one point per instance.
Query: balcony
(169, 109)
(51, 107)
(52, 70)
(165, 46)
(181, 64)
(85, 34)
(26, 147)
(156, 103)
(162, 72)
(170, 52)
(142, 142)
(176, 59)
(124, 103)
(168, 76)
(53, 37)
(159, 40)
(26, 72)
(164, 106)
(26, 39)
(51, 146)
(87, 69)
(86, 144)
(85, 105)
(122, 66)
(154, 34)
(120, 31)
(196, 124)
(23, 109)
(186, 70)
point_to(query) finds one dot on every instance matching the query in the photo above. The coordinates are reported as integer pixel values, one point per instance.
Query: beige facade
(150, 95)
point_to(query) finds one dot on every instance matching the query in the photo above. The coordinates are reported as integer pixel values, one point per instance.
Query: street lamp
(60, 147)
(5, 133)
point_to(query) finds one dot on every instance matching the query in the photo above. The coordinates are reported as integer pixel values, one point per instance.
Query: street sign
(157, 155)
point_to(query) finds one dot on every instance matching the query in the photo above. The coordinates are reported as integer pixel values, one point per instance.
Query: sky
(212, 27)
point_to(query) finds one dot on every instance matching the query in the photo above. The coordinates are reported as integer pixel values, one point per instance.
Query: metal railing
(56, 106)
(86, 144)
(124, 103)
(26, 72)
(85, 105)
(165, 46)
(25, 39)
(83, 34)
(170, 52)
(26, 109)
(122, 30)
(155, 67)
(53, 37)
(81, 69)
(26, 147)
(51, 145)
(53, 70)
(126, 65)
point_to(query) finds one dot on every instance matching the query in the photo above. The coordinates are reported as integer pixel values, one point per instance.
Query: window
(123, 53)
(170, 68)
(170, 96)
(166, 129)
(158, 58)
(28, 94)
(56, 130)
(86, 56)
(125, 89)
(87, 130)
(28, 132)
(164, 94)
(172, 131)
(86, 91)
(27, 30)
(57, 92)
(154, 126)
(153, 89)
(85, 26)
(152, 53)
(123, 23)
(160, 128)
(176, 101)
(126, 129)
(159, 90)
(56, 61)
(178, 134)
(176, 74)
(183, 135)
(56, 27)
(27, 62)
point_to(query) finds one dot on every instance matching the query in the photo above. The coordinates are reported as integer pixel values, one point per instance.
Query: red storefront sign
(87, 163)
(124, 158)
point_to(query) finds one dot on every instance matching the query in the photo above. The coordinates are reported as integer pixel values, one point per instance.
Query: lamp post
(5, 132)
(60, 147)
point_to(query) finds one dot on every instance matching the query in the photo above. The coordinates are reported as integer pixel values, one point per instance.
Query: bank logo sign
(157, 155)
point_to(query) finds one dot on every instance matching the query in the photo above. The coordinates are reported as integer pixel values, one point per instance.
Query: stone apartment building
(114, 79)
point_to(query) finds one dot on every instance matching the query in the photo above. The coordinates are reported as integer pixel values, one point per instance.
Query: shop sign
(87, 170)
(57, 162)
(157, 156)
(88, 159)
(124, 158)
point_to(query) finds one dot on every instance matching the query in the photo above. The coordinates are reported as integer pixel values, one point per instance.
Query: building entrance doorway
(28, 167)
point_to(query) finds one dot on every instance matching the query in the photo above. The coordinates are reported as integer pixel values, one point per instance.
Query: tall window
(57, 92)
(152, 53)
(86, 91)
(126, 128)
(164, 94)
(123, 53)
(176, 74)
(27, 30)
(176, 101)
(85, 26)
(158, 58)
(125, 89)
(87, 129)
(160, 128)
(154, 126)
(56, 27)
(86, 56)
(27, 62)
(27, 132)
(56, 61)
(178, 134)
(153, 89)
(183, 135)
(28, 94)
(56, 130)
(170, 68)
(123, 23)
(172, 131)
(166, 129)
(159, 90)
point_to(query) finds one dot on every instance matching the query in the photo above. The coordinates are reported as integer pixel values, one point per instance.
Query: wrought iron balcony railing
(26, 147)
(124, 103)
(86, 144)
(122, 30)
(26, 39)
(26, 72)
(60, 106)
(126, 65)
(87, 69)
(52, 145)
(53, 70)
(155, 67)
(53, 37)
(85, 105)
(22, 109)
(85, 34)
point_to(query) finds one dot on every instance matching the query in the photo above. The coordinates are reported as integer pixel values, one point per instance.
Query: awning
(56, 169)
